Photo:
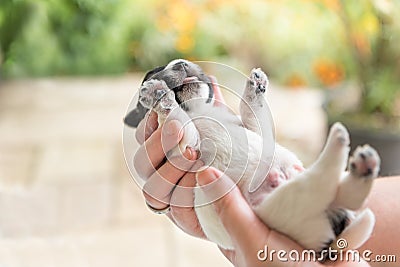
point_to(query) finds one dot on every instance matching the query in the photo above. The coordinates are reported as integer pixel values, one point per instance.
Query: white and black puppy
(313, 206)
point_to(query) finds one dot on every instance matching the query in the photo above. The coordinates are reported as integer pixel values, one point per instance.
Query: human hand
(248, 233)
(161, 176)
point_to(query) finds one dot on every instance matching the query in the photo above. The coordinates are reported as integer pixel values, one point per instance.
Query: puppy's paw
(258, 81)
(364, 162)
(339, 134)
(156, 92)
(154, 89)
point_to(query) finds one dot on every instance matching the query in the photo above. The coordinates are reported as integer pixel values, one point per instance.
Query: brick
(29, 211)
(143, 246)
(85, 204)
(72, 161)
(139, 247)
(17, 163)
(58, 109)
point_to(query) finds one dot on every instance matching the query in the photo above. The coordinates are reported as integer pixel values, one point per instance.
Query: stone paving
(66, 197)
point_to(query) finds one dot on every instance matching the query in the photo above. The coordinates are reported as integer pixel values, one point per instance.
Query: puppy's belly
(237, 154)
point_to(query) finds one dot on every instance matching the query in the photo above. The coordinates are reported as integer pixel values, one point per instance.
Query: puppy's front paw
(154, 89)
(151, 91)
(258, 80)
(365, 162)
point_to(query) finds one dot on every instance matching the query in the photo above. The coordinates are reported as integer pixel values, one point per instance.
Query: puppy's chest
(225, 144)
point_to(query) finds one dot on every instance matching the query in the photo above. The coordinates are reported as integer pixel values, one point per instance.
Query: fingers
(146, 127)
(186, 219)
(182, 202)
(161, 183)
(150, 155)
(229, 254)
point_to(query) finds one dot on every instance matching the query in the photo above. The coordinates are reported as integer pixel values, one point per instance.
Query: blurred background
(69, 68)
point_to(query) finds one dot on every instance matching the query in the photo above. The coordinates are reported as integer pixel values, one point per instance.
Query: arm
(384, 201)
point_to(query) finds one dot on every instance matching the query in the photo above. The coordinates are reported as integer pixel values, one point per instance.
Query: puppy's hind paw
(340, 134)
(258, 81)
(364, 162)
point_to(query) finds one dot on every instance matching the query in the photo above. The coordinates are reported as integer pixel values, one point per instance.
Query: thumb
(236, 215)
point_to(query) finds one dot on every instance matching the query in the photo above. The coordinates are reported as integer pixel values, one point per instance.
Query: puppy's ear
(152, 72)
(135, 116)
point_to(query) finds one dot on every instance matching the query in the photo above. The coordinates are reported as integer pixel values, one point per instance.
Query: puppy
(315, 207)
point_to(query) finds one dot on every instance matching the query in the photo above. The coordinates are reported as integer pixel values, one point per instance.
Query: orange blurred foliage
(296, 81)
(184, 43)
(179, 17)
(328, 73)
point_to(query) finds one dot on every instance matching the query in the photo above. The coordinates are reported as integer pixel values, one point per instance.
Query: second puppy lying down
(313, 207)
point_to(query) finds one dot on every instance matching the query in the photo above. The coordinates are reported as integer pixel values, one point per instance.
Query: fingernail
(189, 153)
(172, 127)
(206, 177)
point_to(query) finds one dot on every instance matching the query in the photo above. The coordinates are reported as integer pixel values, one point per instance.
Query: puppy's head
(185, 78)
(180, 73)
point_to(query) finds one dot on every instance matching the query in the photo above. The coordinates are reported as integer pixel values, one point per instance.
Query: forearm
(384, 200)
